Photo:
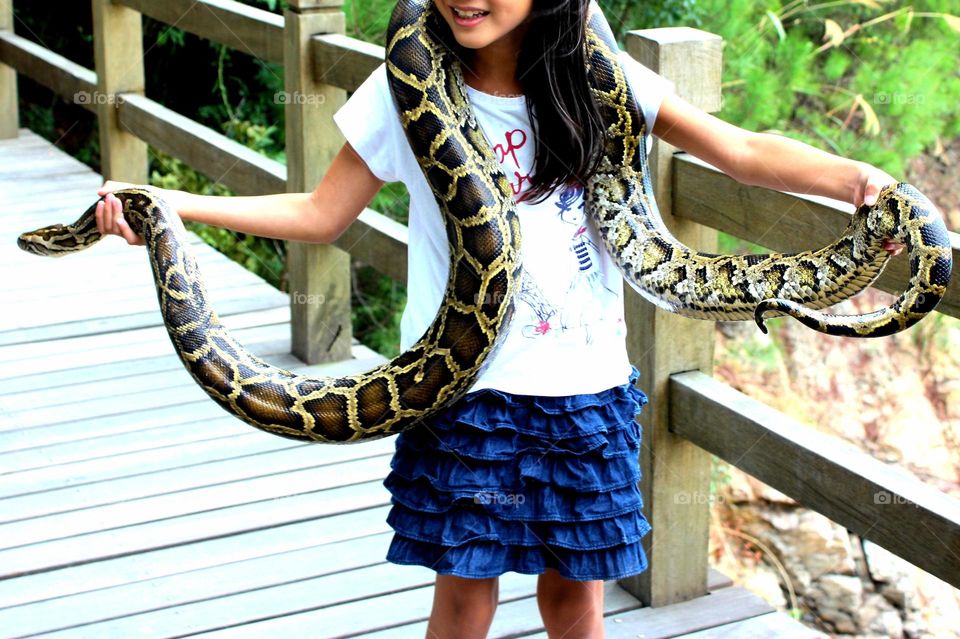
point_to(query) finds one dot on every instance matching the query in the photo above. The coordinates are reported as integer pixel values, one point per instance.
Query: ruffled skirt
(501, 482)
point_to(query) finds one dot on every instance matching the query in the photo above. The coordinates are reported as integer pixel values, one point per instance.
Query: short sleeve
(649, 88)
(370, 123)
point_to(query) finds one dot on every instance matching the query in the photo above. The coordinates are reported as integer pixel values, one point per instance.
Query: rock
(892, 574)
(890, 624)
(745, 488)
(876, 615)
(841, 591)
(766, 584)
(808, 544)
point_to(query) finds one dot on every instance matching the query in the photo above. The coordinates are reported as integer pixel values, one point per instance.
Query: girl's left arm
(768, 160)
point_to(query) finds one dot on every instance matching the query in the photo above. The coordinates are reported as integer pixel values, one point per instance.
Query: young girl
(535, 470)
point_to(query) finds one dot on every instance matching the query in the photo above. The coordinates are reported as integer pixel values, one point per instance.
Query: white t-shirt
(567, 335)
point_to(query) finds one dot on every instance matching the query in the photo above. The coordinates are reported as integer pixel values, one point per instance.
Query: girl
(535, 470)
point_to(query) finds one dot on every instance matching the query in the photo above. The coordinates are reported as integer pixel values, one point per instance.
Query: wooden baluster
(118, 54)
(319, 275)
(9, 121)
(676, 473)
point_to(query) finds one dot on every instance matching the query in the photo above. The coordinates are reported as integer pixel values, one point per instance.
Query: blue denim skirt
(501, 482)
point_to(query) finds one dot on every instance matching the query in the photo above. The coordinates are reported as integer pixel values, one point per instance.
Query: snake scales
(476, 201)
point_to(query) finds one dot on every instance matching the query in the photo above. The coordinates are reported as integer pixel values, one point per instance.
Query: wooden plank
(677, 620)
(69, 80)
(773, 625)
(204, 586)
(248, 30)
(230, 471)
(343, 61)
(204, 425)
(59, 308)
(182, 391)
(366, 614)
(189, 501)
(131, 313)
(277, 344)
(82, 389)
(319, 274)
(215, 155)
(185, 560)
(106, 544)
(331, 593)
(37, 173)
(84, 285)
(516, 617)
(717, 580)
(882, 503)
(782, 222)
(660, 343)
(118, 53)
(177, 446)
(79, 351)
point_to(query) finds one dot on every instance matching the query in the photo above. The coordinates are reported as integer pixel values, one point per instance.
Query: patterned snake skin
(483, 231)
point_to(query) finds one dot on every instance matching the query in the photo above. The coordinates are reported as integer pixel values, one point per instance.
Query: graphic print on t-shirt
(576, 308)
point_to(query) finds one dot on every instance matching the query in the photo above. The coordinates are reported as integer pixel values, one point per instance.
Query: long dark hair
(551, 68)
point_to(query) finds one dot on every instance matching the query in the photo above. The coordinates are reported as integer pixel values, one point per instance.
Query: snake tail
(701, 285)
(904, 214)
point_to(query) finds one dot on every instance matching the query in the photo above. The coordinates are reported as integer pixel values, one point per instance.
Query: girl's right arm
(318, 217)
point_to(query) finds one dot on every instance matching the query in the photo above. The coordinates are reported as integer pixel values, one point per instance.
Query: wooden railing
(691, 415)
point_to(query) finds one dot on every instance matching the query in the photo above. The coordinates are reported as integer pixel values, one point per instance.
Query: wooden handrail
(67, 79)
(215, 155)
(246, 29)
(879, 502)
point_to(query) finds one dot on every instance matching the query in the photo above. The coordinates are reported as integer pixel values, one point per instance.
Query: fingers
(895, 248)
(110, 220)
(870, 194)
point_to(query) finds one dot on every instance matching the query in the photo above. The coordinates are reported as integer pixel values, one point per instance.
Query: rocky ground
(897, 398)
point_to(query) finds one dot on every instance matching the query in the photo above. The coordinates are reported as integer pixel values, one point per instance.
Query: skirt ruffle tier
(501, 482)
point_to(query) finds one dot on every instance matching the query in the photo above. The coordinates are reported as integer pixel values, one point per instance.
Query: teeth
(473, 14)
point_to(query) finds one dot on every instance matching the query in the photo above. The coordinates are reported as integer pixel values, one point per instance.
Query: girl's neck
(493, 69)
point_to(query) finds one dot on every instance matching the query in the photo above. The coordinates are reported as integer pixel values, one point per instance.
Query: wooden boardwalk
(133, 506)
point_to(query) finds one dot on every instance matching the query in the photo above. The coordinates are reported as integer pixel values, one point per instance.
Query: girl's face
(477, 24)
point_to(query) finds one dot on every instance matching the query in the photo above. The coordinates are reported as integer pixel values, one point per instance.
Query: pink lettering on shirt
(515, 140)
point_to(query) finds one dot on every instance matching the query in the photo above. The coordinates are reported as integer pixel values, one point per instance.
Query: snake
(485, 268)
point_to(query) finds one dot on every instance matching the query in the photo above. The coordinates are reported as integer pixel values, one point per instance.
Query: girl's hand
(110, 220)
(869, 184)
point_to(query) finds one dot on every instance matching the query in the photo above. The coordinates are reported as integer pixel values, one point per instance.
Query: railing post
(676, 474)
(118, 55)
(319, 274)
(9, 118)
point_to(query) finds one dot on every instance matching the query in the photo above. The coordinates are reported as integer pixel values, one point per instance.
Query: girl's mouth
(468, 17)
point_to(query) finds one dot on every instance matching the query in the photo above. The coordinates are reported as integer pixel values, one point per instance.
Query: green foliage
(872, 81)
